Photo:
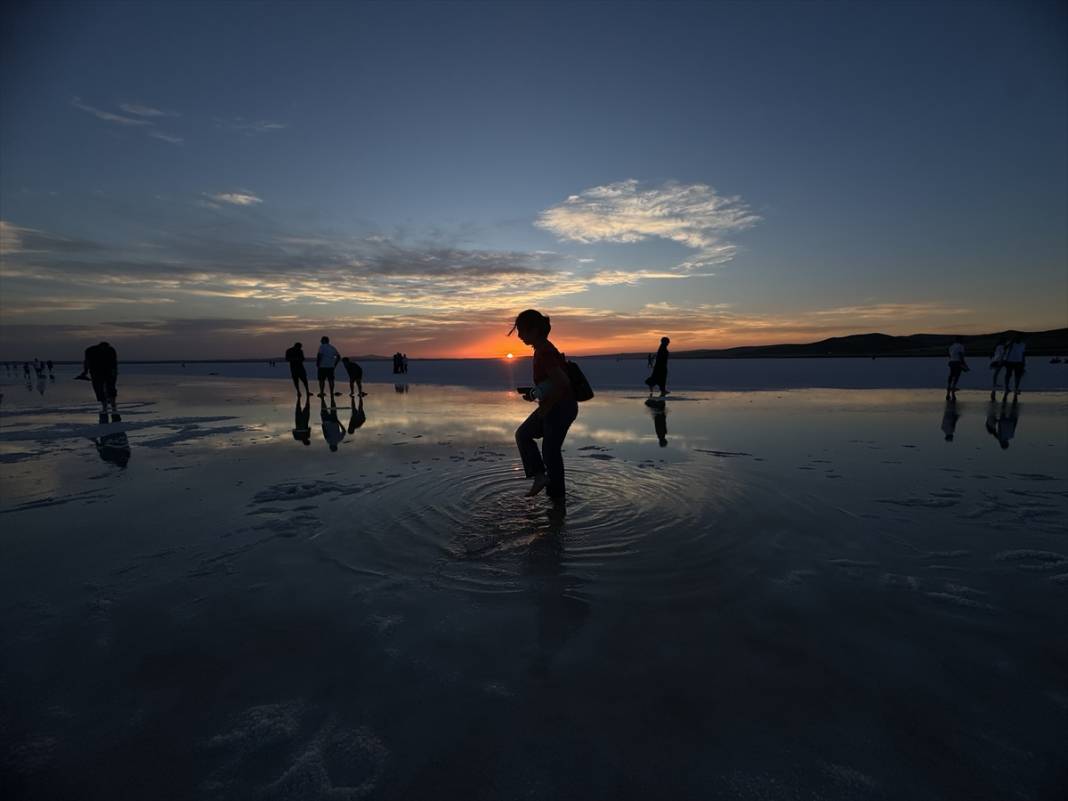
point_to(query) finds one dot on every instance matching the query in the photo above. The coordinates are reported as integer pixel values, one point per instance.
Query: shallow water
(805, 593)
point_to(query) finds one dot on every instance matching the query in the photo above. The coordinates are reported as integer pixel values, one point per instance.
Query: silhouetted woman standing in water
(557, 409)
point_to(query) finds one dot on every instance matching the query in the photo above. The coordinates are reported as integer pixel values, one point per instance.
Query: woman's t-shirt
(545, 356)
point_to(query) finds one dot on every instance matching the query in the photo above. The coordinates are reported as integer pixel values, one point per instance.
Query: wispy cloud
(242, 197)
(146, 111)
(107, 115)
(693, 215)
(137, 121)
(250, 127)
(174, 140)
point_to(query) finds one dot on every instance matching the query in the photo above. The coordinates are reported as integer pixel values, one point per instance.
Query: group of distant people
(1009, 355)
(553, 391)
(37, 365)
(326, 361)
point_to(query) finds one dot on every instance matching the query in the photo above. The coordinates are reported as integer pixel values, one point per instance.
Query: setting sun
(509, 356)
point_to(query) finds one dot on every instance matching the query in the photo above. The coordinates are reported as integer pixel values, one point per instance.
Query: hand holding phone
(525, 392)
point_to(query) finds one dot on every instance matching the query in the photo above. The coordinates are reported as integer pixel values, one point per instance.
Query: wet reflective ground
(799, 594)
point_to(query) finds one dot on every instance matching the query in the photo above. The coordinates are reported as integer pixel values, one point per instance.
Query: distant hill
(1039, 343)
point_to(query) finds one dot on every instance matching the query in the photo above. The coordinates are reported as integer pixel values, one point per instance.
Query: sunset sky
(220, 179)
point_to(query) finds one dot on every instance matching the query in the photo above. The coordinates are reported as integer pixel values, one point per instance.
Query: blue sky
(220, 179)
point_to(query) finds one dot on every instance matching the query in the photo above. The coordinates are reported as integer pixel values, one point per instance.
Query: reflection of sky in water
(831, 546)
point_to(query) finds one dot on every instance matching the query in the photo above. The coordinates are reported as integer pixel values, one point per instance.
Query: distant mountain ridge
(1039, 343)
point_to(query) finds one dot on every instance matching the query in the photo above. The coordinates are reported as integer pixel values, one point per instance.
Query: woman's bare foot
(539, 484)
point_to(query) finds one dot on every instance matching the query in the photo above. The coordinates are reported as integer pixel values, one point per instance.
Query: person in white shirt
(957, 365)
(1014, 363)
(997, 361)
(325, 361)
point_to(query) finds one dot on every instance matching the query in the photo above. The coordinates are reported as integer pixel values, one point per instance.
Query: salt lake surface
(804, 593)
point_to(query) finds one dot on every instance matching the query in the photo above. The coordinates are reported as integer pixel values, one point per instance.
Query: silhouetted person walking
(302, 420)
(557, 409)
(648, 360)
(1014, 364)
(957, 365)
(50, 373)
(355, 377)
(404, 363)
(101, 366)
(333, 432)
(997, 362)
(295, 357)
(325, 361)
(659, 376)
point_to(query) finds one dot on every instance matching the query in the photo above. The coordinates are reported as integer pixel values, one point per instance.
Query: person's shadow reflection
(333, 432)
(400, 388)
(357, 418)
(302, 422)
(658, 409)
(113, 448)
(950, 416)
(1001, 422)
(557, 596)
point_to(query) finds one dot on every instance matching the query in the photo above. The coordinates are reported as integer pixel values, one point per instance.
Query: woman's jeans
(551, 429)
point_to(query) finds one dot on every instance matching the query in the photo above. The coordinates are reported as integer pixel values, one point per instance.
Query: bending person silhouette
(295, 357)
(302, 421)
(326, 360)
(101, 366)
(557, 410)
(355, 377)
(659, 376)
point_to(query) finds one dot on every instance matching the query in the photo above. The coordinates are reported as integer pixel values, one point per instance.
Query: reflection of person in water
(114, 448)
(561, 609)
(333, 432)
(950, 416)
(400, 388)
(1001, 421)
(302, 421)
(358, 418)
(660, 424)
(659, 375)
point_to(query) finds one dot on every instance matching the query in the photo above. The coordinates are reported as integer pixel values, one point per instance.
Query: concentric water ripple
(468, 526)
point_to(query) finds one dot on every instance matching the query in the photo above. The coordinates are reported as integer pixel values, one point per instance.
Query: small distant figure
(557, 410)
(50, 373)
(101, 366)
(950, 416)
(326, 360)
(26, 369)
(404, 363)
(295, 357)
(333, 432)
(397, 363)
(1014, 364)
(358, 417)
(957, 365)
(997, 361)
(355, 377)
(38, 367)
(648, 360)
(302, 420)
(659, 375)
(401, 389)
